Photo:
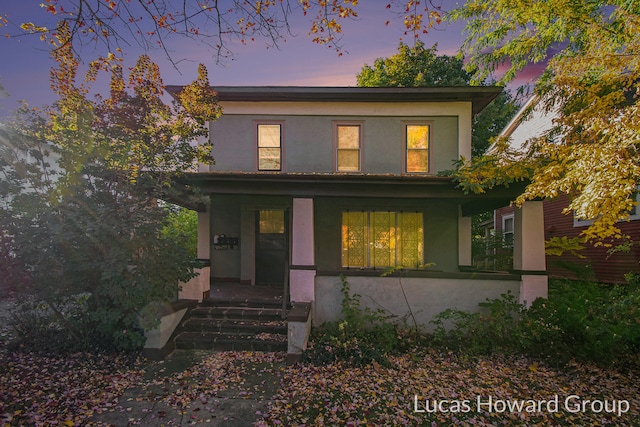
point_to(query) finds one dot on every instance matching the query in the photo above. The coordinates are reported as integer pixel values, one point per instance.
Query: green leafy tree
(182, 227)
(420, 66)
(592, 50)
(80, 190)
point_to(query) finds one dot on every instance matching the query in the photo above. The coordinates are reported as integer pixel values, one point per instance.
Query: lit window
(417, 140)
(269, 147)
(271, 222)
(382, 239)
(348, 148)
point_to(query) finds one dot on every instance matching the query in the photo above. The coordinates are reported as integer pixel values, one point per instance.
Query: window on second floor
(417, 137)
(348, 147)
(269, 147)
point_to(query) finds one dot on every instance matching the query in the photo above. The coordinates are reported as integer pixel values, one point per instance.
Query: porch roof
(388, 186)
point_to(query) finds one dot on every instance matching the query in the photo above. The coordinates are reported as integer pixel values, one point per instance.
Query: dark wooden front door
(271, 246)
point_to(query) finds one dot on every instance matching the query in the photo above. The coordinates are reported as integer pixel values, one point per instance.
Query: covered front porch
(304, 250)
(293, 226)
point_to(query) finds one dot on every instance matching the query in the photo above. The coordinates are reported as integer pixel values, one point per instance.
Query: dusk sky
(25, 62)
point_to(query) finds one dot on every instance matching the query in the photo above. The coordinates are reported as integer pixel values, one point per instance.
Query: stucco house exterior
(592, 262)
(314, 183)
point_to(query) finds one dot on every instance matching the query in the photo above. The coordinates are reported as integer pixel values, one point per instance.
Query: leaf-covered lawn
(74, 389)
(406, 393)
(61, 390)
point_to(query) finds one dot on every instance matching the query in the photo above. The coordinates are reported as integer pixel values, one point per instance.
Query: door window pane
(272, 222)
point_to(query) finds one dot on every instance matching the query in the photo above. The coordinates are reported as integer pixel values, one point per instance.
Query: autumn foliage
(592, 53)
(152, 24)
(81, 202)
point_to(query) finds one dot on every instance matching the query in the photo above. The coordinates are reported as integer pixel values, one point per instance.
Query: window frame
(257, 125)
(406, 149)
(505, 218)
(368, 240)
(336, 149)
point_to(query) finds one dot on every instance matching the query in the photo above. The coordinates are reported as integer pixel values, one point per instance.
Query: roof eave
(479, 96)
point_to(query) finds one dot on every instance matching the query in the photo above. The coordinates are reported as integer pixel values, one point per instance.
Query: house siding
(597, 262)
(307, 142)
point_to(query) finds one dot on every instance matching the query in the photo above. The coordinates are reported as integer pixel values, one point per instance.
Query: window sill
(433, 274)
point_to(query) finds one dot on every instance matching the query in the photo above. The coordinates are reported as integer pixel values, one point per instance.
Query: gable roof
(479, 96)
(532, 121)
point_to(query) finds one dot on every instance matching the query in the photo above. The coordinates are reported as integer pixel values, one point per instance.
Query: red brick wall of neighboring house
(597, 263)
(606, 267)
(556, 224)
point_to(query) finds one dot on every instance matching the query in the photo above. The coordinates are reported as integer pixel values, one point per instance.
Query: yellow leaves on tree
(131, 130)
(199, 99)
(592, 81)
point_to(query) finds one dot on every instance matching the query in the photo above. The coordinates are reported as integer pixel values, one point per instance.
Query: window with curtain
(382, 239)
(348, 148)
(417, 143)
(269, 147)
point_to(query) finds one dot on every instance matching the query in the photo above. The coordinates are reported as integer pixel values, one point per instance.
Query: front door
(271, 246)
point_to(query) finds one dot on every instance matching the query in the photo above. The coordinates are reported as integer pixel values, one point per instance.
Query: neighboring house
(314, 183)
(592, 262)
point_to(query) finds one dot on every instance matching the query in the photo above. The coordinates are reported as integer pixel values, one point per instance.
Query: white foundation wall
(427, 296)
(196, 288)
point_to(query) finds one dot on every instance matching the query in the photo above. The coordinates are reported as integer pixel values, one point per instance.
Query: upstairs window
(348, 147)
(382, 239)
(269, 147)
(417, 144)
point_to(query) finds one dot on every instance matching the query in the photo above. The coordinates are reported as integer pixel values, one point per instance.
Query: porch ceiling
(349, 185)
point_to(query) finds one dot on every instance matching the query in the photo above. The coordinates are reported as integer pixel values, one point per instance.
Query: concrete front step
(230, 342)
(231, 313)
(242, 302)
(223, 325)
(206, 324)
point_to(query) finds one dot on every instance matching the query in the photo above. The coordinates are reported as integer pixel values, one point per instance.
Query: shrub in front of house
(363, 336)
(580, 320)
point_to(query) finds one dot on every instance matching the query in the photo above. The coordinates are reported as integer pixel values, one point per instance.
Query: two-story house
(311, 183)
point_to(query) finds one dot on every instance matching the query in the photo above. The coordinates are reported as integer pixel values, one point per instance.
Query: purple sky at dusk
(25, 62)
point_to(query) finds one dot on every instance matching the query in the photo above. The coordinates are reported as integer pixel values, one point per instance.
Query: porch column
(528, 251)
(302, 269)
